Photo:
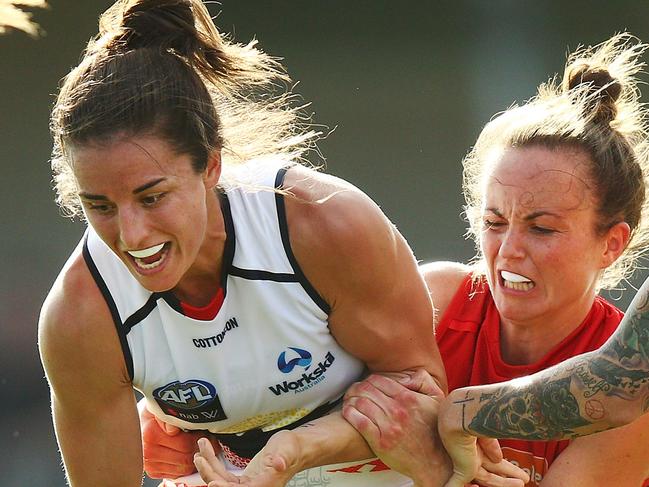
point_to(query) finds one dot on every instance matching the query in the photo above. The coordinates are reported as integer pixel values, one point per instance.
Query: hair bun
(165, 23)
(603, 88)
(135, 24)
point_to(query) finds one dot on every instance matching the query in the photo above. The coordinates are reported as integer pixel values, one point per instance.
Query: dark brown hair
(160, 67)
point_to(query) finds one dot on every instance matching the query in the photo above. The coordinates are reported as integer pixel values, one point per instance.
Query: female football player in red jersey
(555, 193)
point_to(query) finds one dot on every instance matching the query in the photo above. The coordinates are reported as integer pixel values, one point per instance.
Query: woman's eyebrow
(148, 185)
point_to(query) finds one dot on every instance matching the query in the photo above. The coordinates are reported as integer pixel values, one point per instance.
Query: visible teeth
(511, 277)
(152, 265)
(144, 253)
(516, 281)
(518, 286)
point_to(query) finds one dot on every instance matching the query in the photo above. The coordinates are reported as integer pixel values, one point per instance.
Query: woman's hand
(168, 451)
(399, 424)
(474, 459)
(401, 427)
(273, 466)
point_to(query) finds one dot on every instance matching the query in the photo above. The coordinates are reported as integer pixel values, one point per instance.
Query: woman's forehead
(537, 161)
(540, 177)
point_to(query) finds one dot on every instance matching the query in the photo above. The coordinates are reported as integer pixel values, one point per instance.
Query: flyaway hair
(12, 17)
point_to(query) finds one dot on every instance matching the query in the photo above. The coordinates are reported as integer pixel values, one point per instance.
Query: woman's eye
(102, 209)
(490, 224)
(542, 230)
(152, 199)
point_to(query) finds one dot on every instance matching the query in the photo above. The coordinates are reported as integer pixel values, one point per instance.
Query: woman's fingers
(375, 386)
(364, 425)
(162, 461)
(489, 479)
(503, 469)
(421, 381)
(491, 449)
(167, 451)
(456, 480)
(211, 469)
(161, 470)
(381, 399)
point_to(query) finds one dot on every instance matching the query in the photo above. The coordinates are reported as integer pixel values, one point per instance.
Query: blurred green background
(407, 86)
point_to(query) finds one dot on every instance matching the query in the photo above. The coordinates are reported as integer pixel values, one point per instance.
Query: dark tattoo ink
(548, 409)
(463, 402)
(542, 412)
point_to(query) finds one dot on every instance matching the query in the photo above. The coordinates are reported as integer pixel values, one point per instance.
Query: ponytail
(160, 67)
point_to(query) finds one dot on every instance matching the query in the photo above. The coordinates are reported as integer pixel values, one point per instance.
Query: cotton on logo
(303, 359)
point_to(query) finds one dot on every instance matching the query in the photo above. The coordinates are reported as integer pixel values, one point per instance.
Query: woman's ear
(617, 238)
(212, 172)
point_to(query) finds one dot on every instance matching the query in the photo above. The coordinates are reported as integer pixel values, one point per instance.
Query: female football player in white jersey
(239, 291)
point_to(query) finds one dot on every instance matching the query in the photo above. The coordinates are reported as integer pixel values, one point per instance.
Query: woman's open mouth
(151, 257)
(517, 282)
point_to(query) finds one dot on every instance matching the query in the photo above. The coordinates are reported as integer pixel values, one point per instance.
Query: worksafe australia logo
(288, 360)
(308, 379)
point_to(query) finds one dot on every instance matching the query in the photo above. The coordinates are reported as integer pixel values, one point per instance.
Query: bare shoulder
(334, 225)
(75, 328)
(73, 303)
(365, 270)
(321, 198)
(443, 279)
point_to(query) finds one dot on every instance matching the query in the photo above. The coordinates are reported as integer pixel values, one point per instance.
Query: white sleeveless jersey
(266, 361)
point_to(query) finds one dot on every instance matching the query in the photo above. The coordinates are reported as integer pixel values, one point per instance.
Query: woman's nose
(512, 245)
(133, 228)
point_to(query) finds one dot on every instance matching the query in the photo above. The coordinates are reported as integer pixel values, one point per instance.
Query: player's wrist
(433, 471)
(288, 445)
(450, 422)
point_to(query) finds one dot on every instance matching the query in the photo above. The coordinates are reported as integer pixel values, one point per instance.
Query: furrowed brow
(495, 211)
(537, 214)
(139, 189)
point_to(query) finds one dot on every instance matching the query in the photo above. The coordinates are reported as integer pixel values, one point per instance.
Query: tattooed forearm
(602, 374)
(621, 368)
(586, 394)
(537, 412)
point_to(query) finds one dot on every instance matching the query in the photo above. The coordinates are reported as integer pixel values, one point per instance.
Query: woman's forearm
(328, 440)
(540, 407)
(586, 394)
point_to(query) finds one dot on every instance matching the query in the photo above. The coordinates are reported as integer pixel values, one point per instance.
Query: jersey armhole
(103, 288)
(283, 228)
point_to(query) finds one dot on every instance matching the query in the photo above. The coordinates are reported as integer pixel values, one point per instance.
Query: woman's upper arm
(93, 404)
(617, 457)
(362, 266)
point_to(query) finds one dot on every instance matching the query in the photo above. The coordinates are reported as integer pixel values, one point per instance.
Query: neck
(527, 342)
(202, 280)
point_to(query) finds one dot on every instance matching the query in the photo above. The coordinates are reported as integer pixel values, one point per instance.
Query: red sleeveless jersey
(468, 336)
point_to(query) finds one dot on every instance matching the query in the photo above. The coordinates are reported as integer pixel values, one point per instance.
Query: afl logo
(303, 359)
(194, 400)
